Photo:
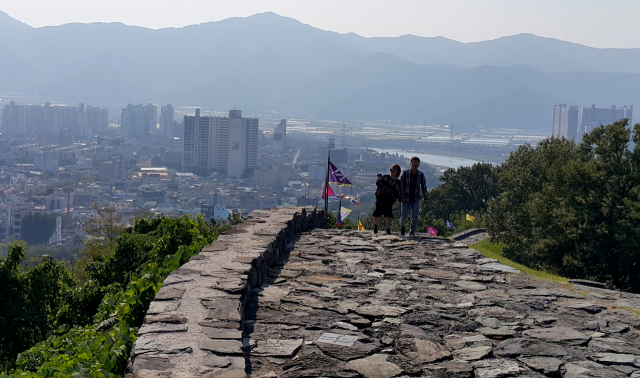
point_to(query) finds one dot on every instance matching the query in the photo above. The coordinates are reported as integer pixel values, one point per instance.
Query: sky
(596, 23)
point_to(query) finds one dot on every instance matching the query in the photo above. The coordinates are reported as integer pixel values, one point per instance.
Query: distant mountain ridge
(269, 62)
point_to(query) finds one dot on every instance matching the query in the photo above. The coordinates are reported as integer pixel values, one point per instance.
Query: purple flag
(336, 177)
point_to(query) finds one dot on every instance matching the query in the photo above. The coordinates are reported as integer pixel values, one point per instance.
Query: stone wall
(198, 315)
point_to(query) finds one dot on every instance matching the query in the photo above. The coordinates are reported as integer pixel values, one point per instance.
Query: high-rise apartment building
(138, 121)
(565, 121)
(225, 143)
(49, 121)
(280, 136)
(167, 120)
(97, 122)
(593, 117)
(243, 143)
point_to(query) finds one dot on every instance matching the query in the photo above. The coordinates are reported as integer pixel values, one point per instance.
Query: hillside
(269, 62)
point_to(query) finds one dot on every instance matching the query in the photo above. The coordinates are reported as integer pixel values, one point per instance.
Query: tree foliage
(467, 189)
(29, 301)
(58, 317)
(574, 209)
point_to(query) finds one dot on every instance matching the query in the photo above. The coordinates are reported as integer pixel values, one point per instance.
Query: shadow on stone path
(252, 304)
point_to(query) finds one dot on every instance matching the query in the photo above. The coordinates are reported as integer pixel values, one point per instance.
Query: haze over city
(306, 188)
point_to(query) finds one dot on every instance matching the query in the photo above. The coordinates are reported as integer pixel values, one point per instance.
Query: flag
(339, 215)
(470, 218)
(432, 231)
(354, 201)
(344, 213)
(336, 177)
(449, 225)
(360, 226)
(331, 194)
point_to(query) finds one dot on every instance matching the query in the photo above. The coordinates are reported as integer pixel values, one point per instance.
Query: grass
(633, 310)
(494, 251)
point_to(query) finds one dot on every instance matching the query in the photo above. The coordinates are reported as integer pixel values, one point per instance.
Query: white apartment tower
(225, 143)
(565, 121)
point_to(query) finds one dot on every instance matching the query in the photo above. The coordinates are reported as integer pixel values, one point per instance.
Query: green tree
(464, 189)
(29, 301)
(573, 210)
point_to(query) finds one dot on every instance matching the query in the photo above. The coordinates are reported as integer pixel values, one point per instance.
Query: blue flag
(339, 217)
(449, 225)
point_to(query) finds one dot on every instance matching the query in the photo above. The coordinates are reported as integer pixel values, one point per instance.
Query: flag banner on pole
(449, 225)
(470, 218)
(339, 215)
(336, 177)
(331, 194)
(432, 231)
(344, 213)
(360, 226)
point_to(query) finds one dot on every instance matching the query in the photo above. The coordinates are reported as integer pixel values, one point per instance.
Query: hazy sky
(597, 23)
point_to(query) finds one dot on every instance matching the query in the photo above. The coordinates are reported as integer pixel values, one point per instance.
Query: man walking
(412, 180)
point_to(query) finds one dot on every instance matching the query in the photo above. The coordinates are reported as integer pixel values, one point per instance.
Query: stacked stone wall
(199, 314)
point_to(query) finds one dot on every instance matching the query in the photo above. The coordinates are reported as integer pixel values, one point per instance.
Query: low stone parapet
(194, 326)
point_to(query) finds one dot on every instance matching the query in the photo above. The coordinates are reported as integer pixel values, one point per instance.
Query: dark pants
(384, 205)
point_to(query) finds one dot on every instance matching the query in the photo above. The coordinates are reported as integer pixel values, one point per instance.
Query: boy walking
(412, 181)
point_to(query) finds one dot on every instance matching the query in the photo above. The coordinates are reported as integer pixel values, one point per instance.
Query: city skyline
(591, 23)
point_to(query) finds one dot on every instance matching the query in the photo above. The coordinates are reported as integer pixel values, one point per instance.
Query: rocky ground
(352, 304)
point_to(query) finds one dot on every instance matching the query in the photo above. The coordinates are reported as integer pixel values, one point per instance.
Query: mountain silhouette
(270, 62)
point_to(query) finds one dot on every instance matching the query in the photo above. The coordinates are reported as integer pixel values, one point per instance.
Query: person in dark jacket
(389, 191)
(413, 184)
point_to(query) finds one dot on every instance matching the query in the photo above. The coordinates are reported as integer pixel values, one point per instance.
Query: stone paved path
(348, 304)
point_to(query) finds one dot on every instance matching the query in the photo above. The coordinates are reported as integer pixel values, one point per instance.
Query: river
(442, 161)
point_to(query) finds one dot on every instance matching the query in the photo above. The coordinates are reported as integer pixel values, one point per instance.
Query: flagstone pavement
(354, 304)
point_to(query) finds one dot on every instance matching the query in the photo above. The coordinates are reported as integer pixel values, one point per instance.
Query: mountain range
(270, 62)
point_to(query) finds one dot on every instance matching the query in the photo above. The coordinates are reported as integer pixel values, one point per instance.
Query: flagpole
(326, 186)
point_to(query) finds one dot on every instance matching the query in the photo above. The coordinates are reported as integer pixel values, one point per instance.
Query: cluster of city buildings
(204, 165)
(66, 123)
(567, 118)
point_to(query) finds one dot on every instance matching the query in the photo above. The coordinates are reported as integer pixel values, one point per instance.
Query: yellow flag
(470, 218)
(360, 226)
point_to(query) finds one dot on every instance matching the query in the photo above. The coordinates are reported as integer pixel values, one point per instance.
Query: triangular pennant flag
(330, 193)
(449, 225)
(336, 177)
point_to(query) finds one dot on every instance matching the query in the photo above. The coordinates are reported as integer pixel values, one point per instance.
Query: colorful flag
(449, 225)
(336, 177)
(470, 218)
(339, 215)
(344, 213)
(331, 194)
(432, 231)
(354, 201)
(360, 226)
